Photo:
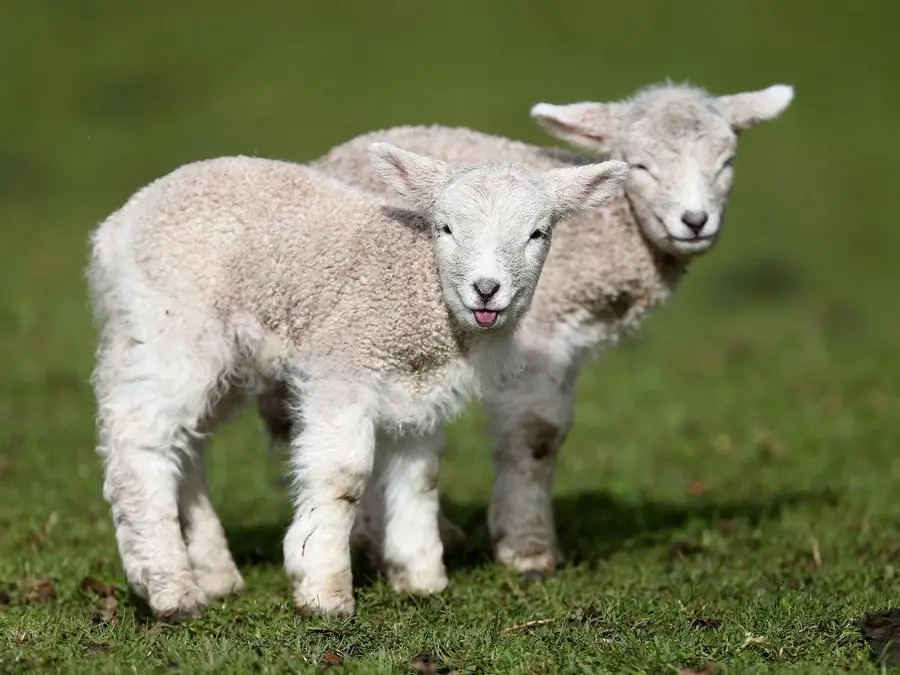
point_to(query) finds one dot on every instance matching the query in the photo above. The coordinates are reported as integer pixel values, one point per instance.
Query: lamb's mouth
(692, 245)
(692, 240)
(486, 318)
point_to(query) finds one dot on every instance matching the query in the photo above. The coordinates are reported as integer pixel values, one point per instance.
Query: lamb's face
(492, 231)
(681, 143)
(492, 224)
(682, 153)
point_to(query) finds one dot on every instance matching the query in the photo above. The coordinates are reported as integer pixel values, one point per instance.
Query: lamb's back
(313, 260)
(454, 145)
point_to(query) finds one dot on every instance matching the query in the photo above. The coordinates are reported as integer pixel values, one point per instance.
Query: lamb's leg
(367, 533)
(412, 552)
(213, 567)
(368, 529)
(532, 418)
(274, 409)
(150, 403)
(331, 459)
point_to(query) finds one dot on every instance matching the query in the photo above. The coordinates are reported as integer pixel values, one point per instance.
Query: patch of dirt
(353, 650)
(426, 664)
(41, 591)
(703, 623)
(881, 631)
(588, 615)
(108, 613)
(332, 659)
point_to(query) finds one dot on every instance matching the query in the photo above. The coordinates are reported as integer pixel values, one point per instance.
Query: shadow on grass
(590, 525)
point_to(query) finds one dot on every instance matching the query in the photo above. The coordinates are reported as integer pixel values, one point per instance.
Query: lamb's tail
(109, 255)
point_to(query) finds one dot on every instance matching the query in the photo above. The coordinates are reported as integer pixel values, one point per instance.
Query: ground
(729, 493)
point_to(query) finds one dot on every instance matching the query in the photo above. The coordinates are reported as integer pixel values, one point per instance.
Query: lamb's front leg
(331, 459)
(532, 418)
(412, 552)
(367, 537)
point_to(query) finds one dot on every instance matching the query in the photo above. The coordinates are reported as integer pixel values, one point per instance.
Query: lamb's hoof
(330, 599)
(339, 606)
(418, 581)
(217, 584)
(533, 566)
(178, 607)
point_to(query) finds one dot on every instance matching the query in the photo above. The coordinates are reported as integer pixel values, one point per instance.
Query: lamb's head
(492, 224)
(680, 142)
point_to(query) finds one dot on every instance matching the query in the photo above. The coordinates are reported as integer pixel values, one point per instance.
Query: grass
(729, 493)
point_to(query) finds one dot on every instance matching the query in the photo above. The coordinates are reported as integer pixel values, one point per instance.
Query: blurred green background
(773, 371)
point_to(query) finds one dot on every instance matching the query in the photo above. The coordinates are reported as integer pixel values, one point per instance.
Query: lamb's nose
(486, 288)
(695, 220)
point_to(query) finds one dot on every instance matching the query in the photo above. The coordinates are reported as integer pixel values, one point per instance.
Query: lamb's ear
(414, 177)
(752, 107)
(582, 188)
(589, 126)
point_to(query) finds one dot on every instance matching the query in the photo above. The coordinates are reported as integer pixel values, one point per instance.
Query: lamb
(228, 276)
(603, 275)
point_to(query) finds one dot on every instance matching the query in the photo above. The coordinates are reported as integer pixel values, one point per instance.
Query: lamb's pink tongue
(485, 316)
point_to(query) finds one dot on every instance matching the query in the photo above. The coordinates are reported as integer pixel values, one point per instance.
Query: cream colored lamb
(602, 276)
(230, 275)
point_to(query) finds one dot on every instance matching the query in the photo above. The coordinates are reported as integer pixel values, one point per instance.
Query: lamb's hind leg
(151, 402)
(532, 419)
(213, 567)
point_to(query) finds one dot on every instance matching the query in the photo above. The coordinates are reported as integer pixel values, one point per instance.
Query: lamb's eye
(538, 234)
(643, 168)
(446, 229)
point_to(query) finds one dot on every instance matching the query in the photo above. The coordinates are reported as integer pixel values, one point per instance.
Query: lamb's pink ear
(414, 177)
(752, 107)
(589, 126)
(581, 188)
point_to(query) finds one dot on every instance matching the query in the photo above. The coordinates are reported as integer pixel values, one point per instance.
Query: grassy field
(730, 493)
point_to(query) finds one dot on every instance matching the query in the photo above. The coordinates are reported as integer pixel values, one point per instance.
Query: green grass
(736, 463)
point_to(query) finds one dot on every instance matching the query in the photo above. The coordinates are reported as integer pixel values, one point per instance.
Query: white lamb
(603, 274)
(229, 275)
